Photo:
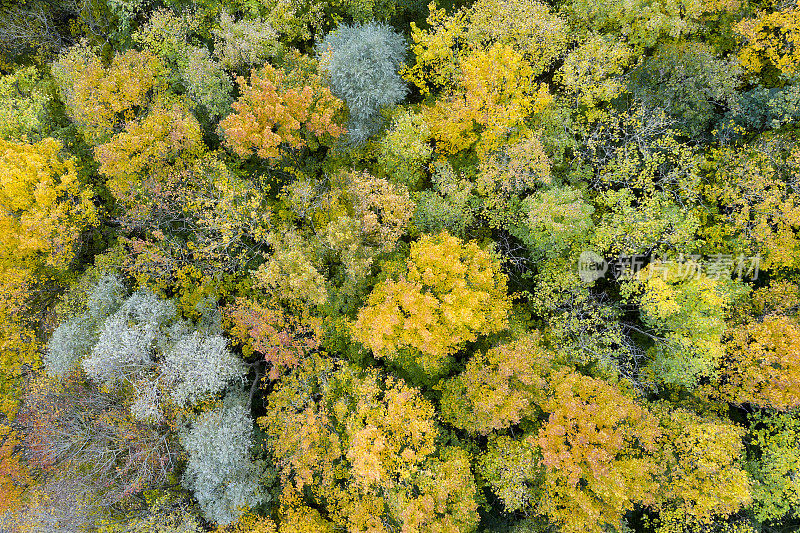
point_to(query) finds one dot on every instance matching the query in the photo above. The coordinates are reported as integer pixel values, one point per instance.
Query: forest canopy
(365, 266)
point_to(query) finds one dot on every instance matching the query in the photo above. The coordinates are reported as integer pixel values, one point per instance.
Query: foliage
(689, 311)
(199, 365)
(758, 206)
(283, 339)
(239, 43)
(703, 478)
(46, 210)
(191, 240)
(361, 62)
(23, 102)
(219, 471)
(403, 152)
(514, 470)
(595, 447)
(207, 84)
(85, 434)
(774, 465)
(689, 82)
(100, 99)
(554, 220)
(496, 99)
(271, 111)
(46, 207)
(770, 42)
(365, 447)
(451, 293)
(526, 26)
(498, 389)
(167, 139)
(760, 366)
(593, 73)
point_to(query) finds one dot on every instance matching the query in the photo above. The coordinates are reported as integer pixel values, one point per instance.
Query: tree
(100, 99)
(45, 211)
(403, 151)
(128, 339)
(451, 293)
(514, 470)
(527, 26)
(361, 62)
(283, 339)
(271, 111)
(166, 140)
(761, 364)
(84, 434)
(702, 479)
(595, 448)
(208, 85)
(689, 82)
(365, 447)
(23, 102)
(220, 471)
(593, 73)
(199, 365)
(759, 210)
(554, 221)
(688, 309)
(500, 388)
(46, 207)
(774, 464)
(241, 43)
(770, 44)
(497, 100)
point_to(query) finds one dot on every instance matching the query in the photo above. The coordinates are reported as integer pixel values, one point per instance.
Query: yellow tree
(762, 363)
(366, 448)
(496, 93)
(167, 139)
(527, 26)
(771, 43)
(45, 209)
(499, 388)
(451, 293)
(702, 479)
(98, 98)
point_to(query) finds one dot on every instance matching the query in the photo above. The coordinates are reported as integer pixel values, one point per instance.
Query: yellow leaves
(702, 479)
(98, 98)
(452, 292)
(14, 474)
(495, 92)
(44, 208)
(527, 26)
(435, 65)
(365, 448)
(271, 112)
(762, 364)
(592, 73)
(595, 446)
(290, 274)
(498, 389)
(771, 40)
(167, 139)
(761, 211)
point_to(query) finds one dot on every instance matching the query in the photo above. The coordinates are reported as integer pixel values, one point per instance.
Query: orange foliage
(283, 339)
(762, 364)
(595, 447)
(271, 112)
